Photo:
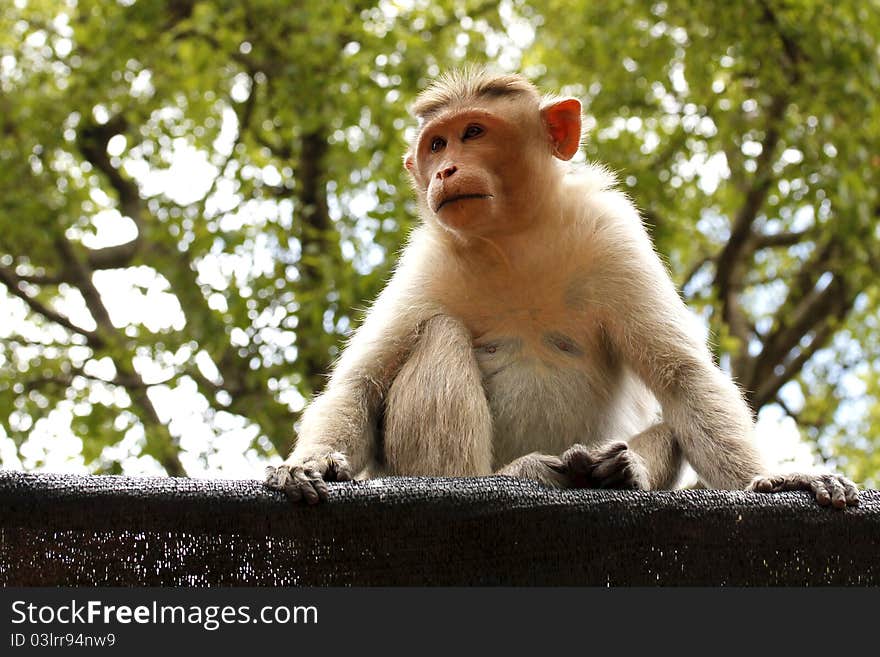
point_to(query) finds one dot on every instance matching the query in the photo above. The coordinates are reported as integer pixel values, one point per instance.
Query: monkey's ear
(408, 162)
(563, 120)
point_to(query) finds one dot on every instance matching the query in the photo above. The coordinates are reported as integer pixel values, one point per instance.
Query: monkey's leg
(437, 419)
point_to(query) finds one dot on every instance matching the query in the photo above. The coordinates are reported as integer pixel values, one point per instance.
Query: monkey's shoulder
(596, 209)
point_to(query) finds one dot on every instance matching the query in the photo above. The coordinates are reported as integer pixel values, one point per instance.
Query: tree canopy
(197, 197)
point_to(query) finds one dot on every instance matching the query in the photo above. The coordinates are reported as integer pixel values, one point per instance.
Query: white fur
(584, 276)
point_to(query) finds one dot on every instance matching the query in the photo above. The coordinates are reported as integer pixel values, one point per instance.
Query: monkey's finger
(336, 467)
(787, 482)
(292, 490)
(838, 493)
(617, 478)
(610, 450)
(275, 477)
(609, 468)
(280, 479)
(630, 479)
(823, 495)
(340, 470)
(760, 485)
(311, 485)
(576, 452)
(623, 481)
(851, 491)
(578, 464)
(555, 464)
(304, 485)
(318, 485)
(290, 484)
(778, 483)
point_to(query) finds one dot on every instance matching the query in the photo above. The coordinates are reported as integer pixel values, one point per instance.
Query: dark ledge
(74, 530)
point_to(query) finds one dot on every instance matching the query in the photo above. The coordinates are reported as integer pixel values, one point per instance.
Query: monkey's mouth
(459, 197)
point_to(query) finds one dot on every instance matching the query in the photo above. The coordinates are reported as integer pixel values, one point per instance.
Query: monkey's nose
(443, 174)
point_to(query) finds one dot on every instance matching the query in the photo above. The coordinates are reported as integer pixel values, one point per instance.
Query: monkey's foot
(610, 466)
(307, 481)
(832, 489)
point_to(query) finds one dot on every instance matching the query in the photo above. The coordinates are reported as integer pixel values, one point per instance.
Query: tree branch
(13, 283)
(160, 443)
(124, 381)
(741, 229)
(695, 268)
(776, 240)
(113, 257)
(815, 312)
(771, 384)
(792, 51)
(40, 279)
(731, 262)
(92, 141)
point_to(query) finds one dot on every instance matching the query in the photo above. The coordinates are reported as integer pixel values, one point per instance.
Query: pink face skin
(477, 167)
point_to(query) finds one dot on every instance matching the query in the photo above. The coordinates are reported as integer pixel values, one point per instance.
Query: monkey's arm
(336, 437)
(703, 410)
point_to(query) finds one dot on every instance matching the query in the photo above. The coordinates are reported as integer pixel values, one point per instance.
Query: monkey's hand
(306, 481)
(833, 489)
(610, 466)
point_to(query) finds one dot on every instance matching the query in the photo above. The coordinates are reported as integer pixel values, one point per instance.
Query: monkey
(529, 328)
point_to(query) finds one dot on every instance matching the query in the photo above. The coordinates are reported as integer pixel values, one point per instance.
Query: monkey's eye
(437, 144)
(472, 131)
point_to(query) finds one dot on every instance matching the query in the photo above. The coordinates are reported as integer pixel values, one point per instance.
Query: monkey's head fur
(486, 149)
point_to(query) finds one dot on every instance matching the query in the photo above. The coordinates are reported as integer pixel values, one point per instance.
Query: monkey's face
(474, 167)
